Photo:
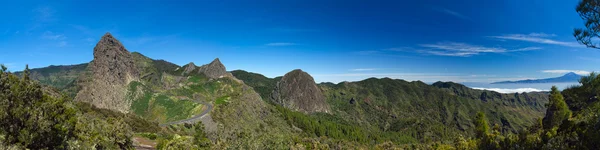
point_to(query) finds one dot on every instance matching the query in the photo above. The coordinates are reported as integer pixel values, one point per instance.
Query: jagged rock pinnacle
(112, 69)
(214, 69)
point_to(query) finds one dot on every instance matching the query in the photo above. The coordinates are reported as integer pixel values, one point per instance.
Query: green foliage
(32, 119)
(561, 128)
(159, 107)
(315, 126)
(481, 125)
(410, 112)
(557, 111)
(588, 11)
(261, 84)
(60, 77)
(222, 100)
(185, 136)
(151, 136)
(137, 123)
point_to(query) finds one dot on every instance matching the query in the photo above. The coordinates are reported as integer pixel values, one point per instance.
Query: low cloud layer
(517, 90)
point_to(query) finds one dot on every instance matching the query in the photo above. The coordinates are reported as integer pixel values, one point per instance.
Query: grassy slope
(261, 84)
(60, 77)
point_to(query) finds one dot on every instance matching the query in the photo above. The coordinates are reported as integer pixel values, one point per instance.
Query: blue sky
(461, 41)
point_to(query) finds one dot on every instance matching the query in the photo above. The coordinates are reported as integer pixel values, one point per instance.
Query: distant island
(569, 77)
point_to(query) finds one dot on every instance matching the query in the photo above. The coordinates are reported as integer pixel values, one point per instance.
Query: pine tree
(481, 125)
(557, 110)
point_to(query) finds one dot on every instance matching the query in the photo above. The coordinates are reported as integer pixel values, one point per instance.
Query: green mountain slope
(56, 76)
(437, 112)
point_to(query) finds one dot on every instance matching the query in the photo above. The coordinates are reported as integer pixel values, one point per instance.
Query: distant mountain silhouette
(569, 77)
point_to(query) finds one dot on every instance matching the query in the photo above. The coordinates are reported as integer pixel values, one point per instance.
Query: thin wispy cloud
(453, 13)
(536, 38)
(363, 69)
(465, 50)
(53, 36)
(280, 44)
(526, 49)
(44, 14)
(579, 72)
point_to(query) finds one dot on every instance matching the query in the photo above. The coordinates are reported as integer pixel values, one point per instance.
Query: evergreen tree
(557, 110)
(481, 125)
(589, 11)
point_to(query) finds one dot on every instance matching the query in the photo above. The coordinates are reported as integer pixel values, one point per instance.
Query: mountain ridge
(569, 77)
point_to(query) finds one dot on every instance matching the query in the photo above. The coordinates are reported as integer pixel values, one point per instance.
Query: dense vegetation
(373, 111)
(32, 119)
(261, 84)
(575, 125)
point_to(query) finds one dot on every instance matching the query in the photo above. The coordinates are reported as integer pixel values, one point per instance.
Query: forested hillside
(408, 112)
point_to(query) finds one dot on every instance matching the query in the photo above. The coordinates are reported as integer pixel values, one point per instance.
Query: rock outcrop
(189, 68)
(298, 91)
(213, 70)
(104, 84)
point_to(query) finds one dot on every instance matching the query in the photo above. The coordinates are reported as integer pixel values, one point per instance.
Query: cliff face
(298, 91)
(213, 70)
(104, 83)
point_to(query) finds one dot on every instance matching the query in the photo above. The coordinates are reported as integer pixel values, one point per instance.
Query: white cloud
(541, 34)
(465, 50)
(53, 36)
(579, 72)
(463, 47)
(517, 90)
(536, 38)
(526, 49)
(280, 44)
(363, 69)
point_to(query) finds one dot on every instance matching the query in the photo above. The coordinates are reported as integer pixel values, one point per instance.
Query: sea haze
(517, 87)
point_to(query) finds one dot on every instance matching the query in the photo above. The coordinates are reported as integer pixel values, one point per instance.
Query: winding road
(193, 119)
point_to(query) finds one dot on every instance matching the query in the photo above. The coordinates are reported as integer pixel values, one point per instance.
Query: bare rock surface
(111, 70)
(214, 69)
(298, 91)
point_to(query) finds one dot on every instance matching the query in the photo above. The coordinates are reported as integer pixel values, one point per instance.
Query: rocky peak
(111, 70)
(214, 69)
(298, 91)
(189, 68)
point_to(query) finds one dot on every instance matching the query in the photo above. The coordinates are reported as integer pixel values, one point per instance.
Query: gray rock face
(298, 91)
(213, 70)
(189, 68)
(110, 71)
